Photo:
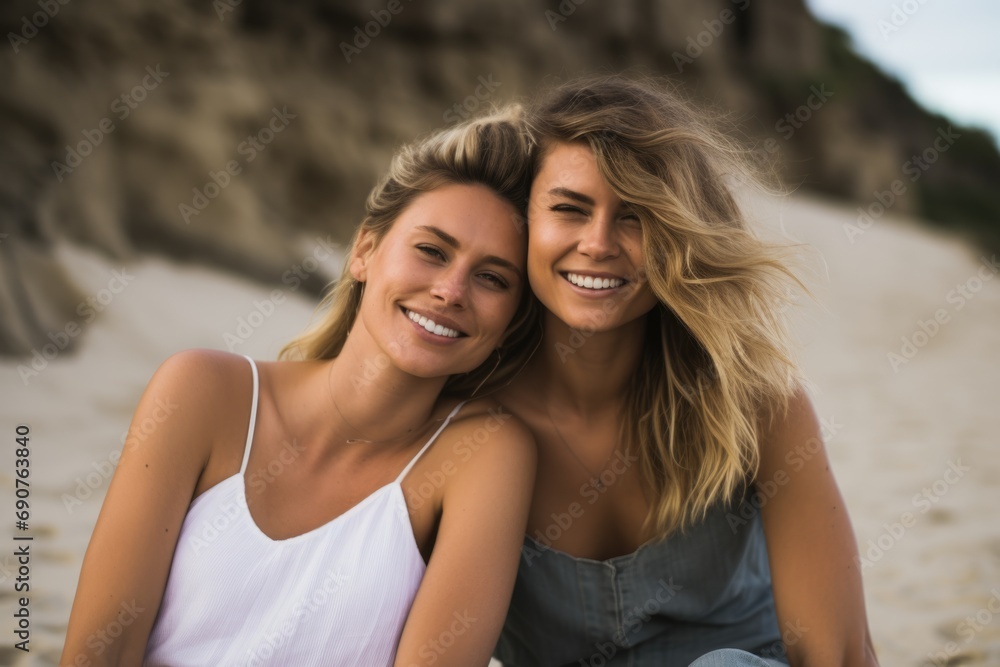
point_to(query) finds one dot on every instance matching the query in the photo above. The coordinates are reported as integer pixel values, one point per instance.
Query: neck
(368, 399)
(588, 372)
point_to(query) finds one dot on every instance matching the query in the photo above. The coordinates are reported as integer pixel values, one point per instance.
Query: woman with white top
(344, 505)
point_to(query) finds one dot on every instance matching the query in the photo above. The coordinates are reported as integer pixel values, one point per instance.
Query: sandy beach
(903, 353)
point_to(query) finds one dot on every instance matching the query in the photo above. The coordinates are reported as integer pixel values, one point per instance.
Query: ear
(361, 255)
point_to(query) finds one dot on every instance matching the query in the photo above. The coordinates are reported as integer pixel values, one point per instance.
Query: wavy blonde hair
(494, 151)
(717, 355)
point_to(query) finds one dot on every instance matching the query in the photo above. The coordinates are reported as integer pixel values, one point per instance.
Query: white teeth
(431, 325)
(589, 282)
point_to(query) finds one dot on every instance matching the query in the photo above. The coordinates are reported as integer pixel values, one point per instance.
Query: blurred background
(181, 174)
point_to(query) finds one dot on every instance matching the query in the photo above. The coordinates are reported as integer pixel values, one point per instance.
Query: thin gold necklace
(595, 481)
(409, 433)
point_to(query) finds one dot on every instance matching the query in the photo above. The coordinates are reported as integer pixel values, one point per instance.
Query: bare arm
(458, 611)
(811, 546)
(125, 569)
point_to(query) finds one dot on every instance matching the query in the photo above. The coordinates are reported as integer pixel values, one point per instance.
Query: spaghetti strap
(429, 442)
(253, 417)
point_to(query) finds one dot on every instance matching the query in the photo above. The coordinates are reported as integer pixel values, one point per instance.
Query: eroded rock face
(226, 132)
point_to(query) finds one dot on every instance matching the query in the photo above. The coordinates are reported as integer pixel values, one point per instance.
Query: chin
(589, 319)
(594, 320)
(429, 369)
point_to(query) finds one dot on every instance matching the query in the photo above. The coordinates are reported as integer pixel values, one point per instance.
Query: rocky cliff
(235, 132)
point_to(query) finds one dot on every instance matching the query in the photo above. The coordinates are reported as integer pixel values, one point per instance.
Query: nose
(598, 238)
(450, 287)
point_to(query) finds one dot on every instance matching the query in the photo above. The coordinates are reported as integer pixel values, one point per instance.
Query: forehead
(564, 155)
(571, 165)
(476, 216)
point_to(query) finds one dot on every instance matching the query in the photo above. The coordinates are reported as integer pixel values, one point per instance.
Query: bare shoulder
(208, 386)
(173, 433)
(485, 420)
(205, 378)
(485, 436)
(201, 365)
(796, 425)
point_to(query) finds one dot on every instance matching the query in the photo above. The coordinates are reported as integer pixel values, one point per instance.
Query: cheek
(499, 312)
(537, 274)
(544, 241)
(399, 270)
(632, 245)
(540, 231)
(644, 302)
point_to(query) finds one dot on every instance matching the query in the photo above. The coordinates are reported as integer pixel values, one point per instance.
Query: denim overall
(666, 604)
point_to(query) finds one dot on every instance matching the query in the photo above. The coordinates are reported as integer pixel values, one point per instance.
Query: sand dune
(912, 444)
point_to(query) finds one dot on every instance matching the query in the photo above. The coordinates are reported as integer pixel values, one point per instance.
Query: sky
(946, 52)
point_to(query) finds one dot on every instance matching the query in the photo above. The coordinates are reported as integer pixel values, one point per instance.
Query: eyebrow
(572, 194)
(453, 242)
(584, 199)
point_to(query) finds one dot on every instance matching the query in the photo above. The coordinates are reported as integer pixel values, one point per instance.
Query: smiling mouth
(432, 326)
(594, 283)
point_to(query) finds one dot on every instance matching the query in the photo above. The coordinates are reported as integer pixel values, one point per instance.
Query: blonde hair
(494, 151)
(717, 352)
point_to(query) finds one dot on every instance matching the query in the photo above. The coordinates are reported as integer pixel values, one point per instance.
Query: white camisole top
(336, 595)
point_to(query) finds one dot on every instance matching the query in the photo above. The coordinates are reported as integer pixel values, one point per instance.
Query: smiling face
(443, 284)
(585, 244)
